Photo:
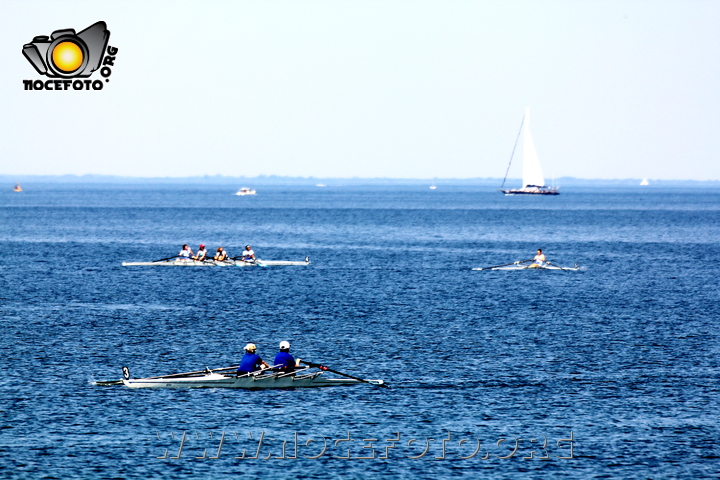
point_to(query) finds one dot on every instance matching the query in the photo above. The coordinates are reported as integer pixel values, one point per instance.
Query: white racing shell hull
(522, 267)
(213, 263)
(216, 380)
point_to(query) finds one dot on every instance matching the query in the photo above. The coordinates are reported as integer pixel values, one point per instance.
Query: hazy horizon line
(311, 180)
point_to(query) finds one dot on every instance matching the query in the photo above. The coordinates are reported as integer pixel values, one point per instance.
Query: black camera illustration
(68, 54)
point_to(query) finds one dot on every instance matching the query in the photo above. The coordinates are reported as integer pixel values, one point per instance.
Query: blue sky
(400, 89)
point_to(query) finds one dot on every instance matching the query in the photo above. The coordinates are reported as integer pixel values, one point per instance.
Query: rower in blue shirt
(251, 362)
(283, 360)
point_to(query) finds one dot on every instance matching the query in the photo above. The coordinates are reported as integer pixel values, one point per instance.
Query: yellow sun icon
(67, 56)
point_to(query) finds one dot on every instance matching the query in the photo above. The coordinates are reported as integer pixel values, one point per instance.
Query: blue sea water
(621, 357)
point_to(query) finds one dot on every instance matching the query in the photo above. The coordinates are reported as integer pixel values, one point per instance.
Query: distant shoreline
(312, 181)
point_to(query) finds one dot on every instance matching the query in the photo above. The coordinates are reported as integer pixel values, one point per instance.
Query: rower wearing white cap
(248, 255)
(283, 360)
(251, 361)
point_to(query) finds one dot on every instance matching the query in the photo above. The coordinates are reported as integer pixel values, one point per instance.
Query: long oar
(505, 264)
(176, 375)
(558, 266)
(187, 374)
(323, 367)
(256, 372)
(208, 370)
(165, 259)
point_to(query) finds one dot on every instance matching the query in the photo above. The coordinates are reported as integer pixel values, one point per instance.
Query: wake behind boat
(228, 378)
(188, 262)
(533, 179)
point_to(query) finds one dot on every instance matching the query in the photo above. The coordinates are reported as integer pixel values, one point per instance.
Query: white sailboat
(533, 179)
(644, 182)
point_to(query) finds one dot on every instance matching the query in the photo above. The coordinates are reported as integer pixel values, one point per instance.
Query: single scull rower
(539, 261)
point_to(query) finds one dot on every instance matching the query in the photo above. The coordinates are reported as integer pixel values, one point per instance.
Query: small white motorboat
(245, 191)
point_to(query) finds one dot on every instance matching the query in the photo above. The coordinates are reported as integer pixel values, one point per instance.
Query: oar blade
(377, 383)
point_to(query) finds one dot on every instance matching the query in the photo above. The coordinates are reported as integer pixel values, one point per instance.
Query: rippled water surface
(623, 355)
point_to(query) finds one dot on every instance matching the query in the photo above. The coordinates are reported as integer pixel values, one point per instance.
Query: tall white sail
(532, 173)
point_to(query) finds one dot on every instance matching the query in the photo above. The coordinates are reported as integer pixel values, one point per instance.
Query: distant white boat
(644, 182)
(321, 185)
(245, 191)
(433, 186)
(533, 179)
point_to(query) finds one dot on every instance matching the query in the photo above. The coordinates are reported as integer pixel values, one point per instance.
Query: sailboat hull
(532, 191)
